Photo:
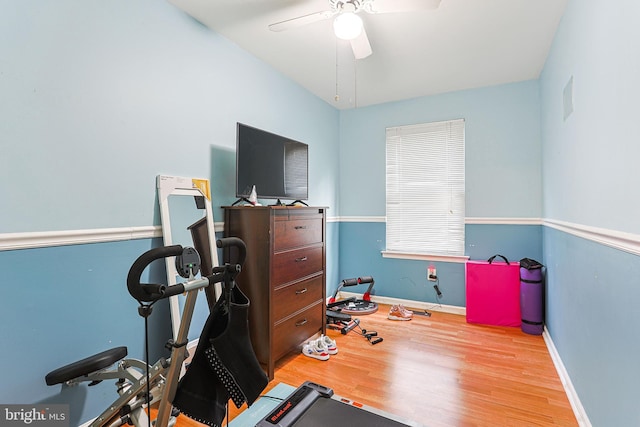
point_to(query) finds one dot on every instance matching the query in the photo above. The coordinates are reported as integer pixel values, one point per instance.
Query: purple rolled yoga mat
(532, 300)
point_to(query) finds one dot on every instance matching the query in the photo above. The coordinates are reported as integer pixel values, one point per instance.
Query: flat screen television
(276, 165)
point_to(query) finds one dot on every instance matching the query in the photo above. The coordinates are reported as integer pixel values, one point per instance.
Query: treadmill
(314, 405)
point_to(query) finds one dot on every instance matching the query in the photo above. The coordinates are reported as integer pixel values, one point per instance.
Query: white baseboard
(574, 400)
(409, 303)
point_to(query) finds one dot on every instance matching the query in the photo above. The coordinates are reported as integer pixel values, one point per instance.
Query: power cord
(145, 311)
(436, 287)
(267, 396)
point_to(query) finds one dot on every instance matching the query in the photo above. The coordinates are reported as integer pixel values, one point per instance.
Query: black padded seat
(337, 316)
(86, 366)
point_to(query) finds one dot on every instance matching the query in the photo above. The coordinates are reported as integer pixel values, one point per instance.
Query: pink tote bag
(493, 292)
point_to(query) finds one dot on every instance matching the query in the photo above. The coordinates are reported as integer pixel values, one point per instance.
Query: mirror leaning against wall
(187, 219)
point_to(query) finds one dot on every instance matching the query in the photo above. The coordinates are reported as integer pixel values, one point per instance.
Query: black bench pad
(336, 316)
(86, 366)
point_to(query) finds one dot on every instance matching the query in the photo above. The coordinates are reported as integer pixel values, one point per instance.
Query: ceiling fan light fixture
(347, 26)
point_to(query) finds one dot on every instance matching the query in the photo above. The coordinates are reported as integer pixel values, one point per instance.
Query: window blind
(425, 188)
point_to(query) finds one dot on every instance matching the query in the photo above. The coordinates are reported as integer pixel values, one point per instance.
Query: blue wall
(593, 318)
(100, 97)
(590, 176)
(97, 99)
(589, 160)
(502, 149)
(361, 243)
(503, 181)
(65, 303)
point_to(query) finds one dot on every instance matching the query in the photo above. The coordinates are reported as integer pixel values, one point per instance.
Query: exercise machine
(353, 305)
(337, 320)
(139, 384)
(343, 322)
(338, 313)
(312, 405)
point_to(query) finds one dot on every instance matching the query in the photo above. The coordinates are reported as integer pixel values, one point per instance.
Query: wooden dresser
(283, 276)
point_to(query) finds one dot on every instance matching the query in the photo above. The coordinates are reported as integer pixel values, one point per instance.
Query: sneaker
(330, 344)
(316, 349)
(395, 313)
(405, 309)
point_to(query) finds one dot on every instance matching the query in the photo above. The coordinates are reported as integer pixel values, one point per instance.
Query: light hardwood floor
(439, 371)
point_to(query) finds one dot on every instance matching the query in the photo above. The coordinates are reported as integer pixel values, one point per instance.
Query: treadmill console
(295, 405)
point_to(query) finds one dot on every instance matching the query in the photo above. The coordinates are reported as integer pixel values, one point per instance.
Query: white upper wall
(502, 133)
(590, 161)
(100, 97)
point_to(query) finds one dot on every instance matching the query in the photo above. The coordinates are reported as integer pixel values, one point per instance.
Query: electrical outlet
(431, 273)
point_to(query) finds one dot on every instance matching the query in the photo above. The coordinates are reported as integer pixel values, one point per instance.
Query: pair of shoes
(398, 312)
(321, 348)
(330, 344)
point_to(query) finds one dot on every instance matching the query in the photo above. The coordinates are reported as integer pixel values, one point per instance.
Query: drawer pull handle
(301, 291)
(304, 258)
(301, 322)
(300, 227)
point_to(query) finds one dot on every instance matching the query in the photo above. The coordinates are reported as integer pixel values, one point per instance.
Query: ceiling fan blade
(392, 6)
(301, 20)
(361, 46)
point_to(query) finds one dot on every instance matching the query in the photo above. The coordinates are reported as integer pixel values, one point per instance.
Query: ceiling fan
(348, 25)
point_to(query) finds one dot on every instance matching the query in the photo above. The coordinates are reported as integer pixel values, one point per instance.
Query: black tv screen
(276, 165)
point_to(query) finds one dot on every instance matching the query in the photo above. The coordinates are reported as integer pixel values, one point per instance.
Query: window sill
(425, 257)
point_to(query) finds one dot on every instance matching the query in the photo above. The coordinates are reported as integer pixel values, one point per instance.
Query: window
(425, 189)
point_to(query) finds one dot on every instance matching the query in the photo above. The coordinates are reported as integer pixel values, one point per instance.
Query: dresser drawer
(297, 232)
(292, 331)
(292, 298)
(296, 264)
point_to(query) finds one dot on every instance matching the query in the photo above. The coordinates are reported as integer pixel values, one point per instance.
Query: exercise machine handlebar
(218, 273)
(356, 281)
(237, 243)
(365, 279)
(353, 282)
(149, 292)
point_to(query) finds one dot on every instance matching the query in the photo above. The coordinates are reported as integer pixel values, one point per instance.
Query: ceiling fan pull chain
(355, 83)
(337, 95)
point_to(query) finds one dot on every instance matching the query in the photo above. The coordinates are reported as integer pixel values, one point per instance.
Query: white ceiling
(463, 44)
